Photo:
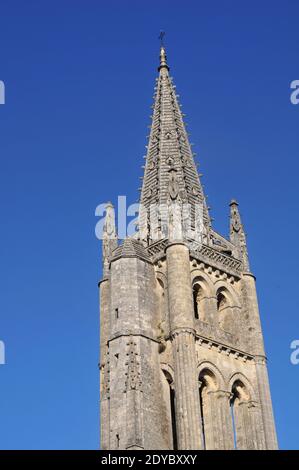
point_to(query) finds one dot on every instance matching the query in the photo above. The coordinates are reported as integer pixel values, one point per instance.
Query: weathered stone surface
(182, 360)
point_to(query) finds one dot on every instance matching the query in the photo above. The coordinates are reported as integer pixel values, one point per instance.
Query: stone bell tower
(182, 360)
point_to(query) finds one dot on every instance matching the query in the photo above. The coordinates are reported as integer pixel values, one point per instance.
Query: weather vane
(161, 37)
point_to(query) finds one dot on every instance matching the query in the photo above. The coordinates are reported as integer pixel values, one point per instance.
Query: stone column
(256, 425)
(186, 387)
(261, 362)
(104, 290)
(134, 411)
(256, 336)
(183, 344)
(218, 420)
(266, 403)
(244, 428)
(136, 400)
(105, 405)
(249, 426)
(225, 439)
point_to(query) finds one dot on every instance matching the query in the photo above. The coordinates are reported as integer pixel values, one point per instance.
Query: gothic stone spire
(170, 174)
(176, 312)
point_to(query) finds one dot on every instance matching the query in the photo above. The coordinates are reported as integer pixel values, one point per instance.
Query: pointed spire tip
(163, 58)
(233, 202)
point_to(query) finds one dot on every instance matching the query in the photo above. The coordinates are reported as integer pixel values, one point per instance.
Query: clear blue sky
(79, 81)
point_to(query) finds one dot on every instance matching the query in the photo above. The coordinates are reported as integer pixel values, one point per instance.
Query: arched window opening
(196, 295)
(239, 391)
(173, 420)
(232, 404)
(172, 401)
(221, 301)
(203, 296)
(201, 386)
(162, 303)
(207, 383)
(240, 395)
(227, 313)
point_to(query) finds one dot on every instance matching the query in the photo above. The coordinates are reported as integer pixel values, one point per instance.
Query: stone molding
(205, 254)
(223, 348)
(178, 331)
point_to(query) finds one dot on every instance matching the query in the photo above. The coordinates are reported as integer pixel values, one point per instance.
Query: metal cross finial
(161, 37)
(163, 61)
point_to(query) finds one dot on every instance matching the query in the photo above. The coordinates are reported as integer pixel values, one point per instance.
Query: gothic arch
(203, 292)
(228, 307)
(168, 371)
(246, 414)
(224, 286)
(215, 408)
(207, 365)
(198, 276)
(207, 384)
(239, 376)
(160, 276)
(208, 379)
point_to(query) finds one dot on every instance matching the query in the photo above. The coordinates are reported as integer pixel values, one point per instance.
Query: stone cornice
(203, 253)
(224, 349)
(259, 359)
(218, 260)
